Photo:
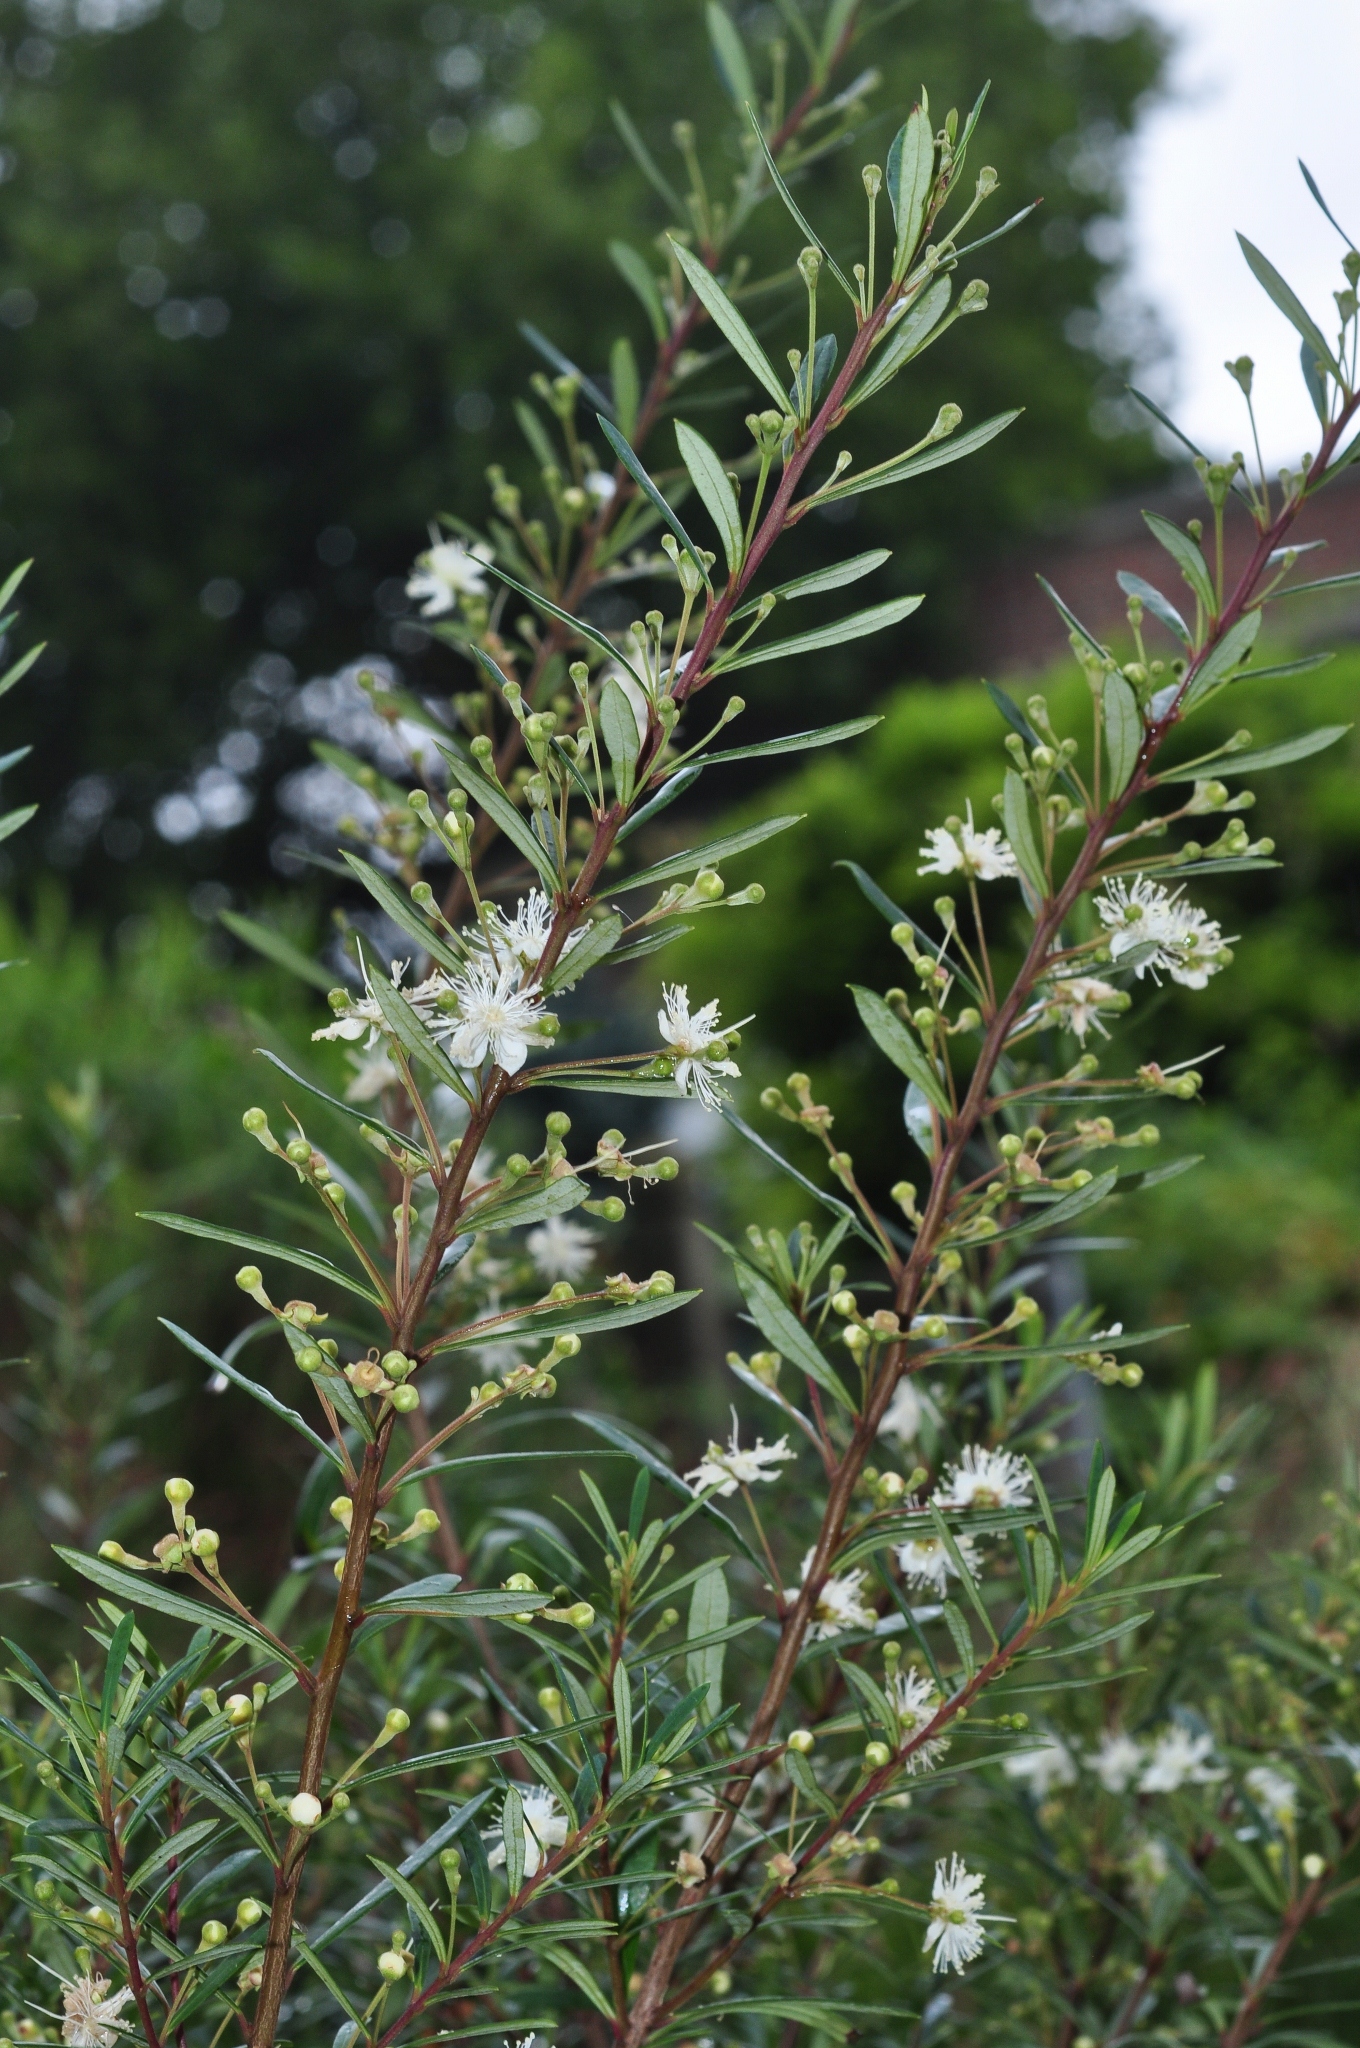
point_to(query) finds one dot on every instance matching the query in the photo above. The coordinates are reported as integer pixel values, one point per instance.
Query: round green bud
(47, 1772)
(451, 1863)
(248, 1278)
(665, 1169)
(1023, 1307)
(1010, 1147)
(843, 1304)
(581, 1615)
(298, 1150)
(1312, 1867)
(561, 1290)
(405, 1399)
(334, 1193)
(517, 1165)
(213, 1934)
(396, 1364)
(481, 748)
(1131, 1375)
(310, 1359)
(205, 1543)
(720, 1983)
(520, 1582)
(1149, 1135)
(179, 1492)
(612, 1209)
(249, 1913)
(933, 1327)
(113, 1552)
(239, 1709)
(669, 1615)
(339, 1802)
(771, 1098)
(100, 1916)
(568, 1345)
(255, 1121)
(557, 1124)
(392, 1963)
(708, 885)
(802, 1741)
(397, 1721)
(550, 1699)
(44, 1891)
(422, 895)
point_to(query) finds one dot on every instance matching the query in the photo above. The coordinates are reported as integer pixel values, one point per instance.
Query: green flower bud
(876, 1755)
(802, 1741)
(557, 1123)
(451, 1863)
(481, 748)
(239, 1709)
(298, 1150)
(249, 1913)
(179, 1492)
(843, 1304)
(310, 1359)
(393, 1963)
(516, 1166)
(255, 1121)
(708, 885)
(213, 1934)
(249, 1278)
(1010, 1147)
(397, 1722)
(933, 1327)
(581, 1615)
(396, 1364)
(665, 1168)
(334, 1193)
(405, 1399)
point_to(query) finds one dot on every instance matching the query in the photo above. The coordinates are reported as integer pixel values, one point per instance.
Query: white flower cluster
(957, 847)
(981, 1479)
(1174, 1758)
(1188, 944)
(92, 2013)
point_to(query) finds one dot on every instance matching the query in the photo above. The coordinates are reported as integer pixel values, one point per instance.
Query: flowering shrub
(641, 1788)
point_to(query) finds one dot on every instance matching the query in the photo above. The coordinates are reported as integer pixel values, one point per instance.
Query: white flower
(728, 1469)
(545, 1827)
(697, 1042)
(1078, 1001)
(524, 935)
(497, 1019)
(955, 1930)
(985, 1479)
(444, 573)
(914, 1696)
(91, 2014)
(1178, 1758)
(1148, 1868)
(1118, 1760)
(960, 848)
(561, 1250)
(1042, 1768)
(925, 1564)
(1276, 1795)
(373, 1072)
(601, 486)
(840, 1604)
(1188, 940)
(363, 1018)
(902, 1416)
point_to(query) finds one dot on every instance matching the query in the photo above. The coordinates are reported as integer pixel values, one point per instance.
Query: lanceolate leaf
(916, 462)
(715, 490)
(563, 364)
(557, 1198)
(273, 945)
(256, 1391)
(1219, 666)
(1263, 757)
(1074, 623)
(817, 580)
(1347, 581)
(619, 728)
(1185, 552)
(402, 912)
(729, 322)
(264, 1247)
(359, 1114)
(707, 856)
(150, 1589)
(1020, 831)
(644, 159)
(885, 907)
(1152, 599)
(1017, 720)
(1268, 277)
(791, 203)
(911, 332)
(554, 1322)
(1050, 1215)
(508, 818)
(729, 54)
(596, 943)
(777, 1321)
(875, 620)
(578, 626)
(798, 742)
(894, 1038)
(412, 1036)
(636, 272)
(910, 175)
(650, 491)
(1123, 732)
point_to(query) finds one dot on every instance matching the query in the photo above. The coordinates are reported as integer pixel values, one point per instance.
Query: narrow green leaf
(1346, 581)
(936, 455)
(556, 1322)
(800, 1773)
(729, 322)
(596, 944)
(645, 162)
(799, 742)
(818, 580)
(649, 490)
(1123, 732)
(706, 856)
(510, 820)
(910, 177)
(411, 1034)
(623, 378)
(1098, 1516)
(911, 333)
(880, 1715)
(1044, 1569)
(636, 273)
(21, 667)
(777, 1321)
(729, 54)
(1048, 1216)
(512, 1834)
(14, 821)
(1152, 600)
(274, 946)
(310, 1262)
(894, 1038)
(582, 627)
(173, 1846)
(1222, 662)
(553, 1198)
(810, 233)
(623, 1718)
(708, 1612)
(960, 1564)
(147, 1589)
(563, 364)
(1263, 757)
(405, 1889)
(963, 1640)
(1308, 662)
(894, 914)
(359, 1114)
(875, 620)
(577, 1972)
(459, 1818)
(1073, 622)
(1020, 831)
(257, 1392)
(1185, 552)
(1295, 312)
(619, 728)
(113, 1668)
(12, 582)
(402, 912)
(714, 487)
(314, 1962)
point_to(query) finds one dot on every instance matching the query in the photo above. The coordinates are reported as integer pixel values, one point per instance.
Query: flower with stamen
(560, 1249)
(959, 848)
(902, 1416)
(497, 1019)
(545, 1827)
(917, 1700)
(985, 1479)
(1039, 1769)
(1179, 1758)
(1075, 1003)
(956, 1902)
(92, 2013)
(725, 1469)
(1117, 1761)
(444, 573)
(362, 1017)
(926, 1565)
(840, 1604)
(524, 935)
(699, 1046)
(1188, 942)
(1276, 1795)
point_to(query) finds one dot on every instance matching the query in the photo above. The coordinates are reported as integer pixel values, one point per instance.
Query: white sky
(1255, 84)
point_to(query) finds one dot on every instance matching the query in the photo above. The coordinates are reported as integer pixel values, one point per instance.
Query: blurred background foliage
(260, 273)
(260, 269)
